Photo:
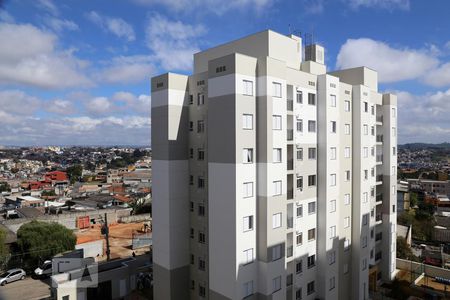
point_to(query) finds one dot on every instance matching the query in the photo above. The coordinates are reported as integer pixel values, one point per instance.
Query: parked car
(11, 276)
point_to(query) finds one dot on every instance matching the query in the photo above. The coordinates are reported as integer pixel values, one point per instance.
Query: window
(248, 87)
(298, 294)
(333, 126)
(191, 179)
(276, 220)
(372, 172)
(191, 126)
(346, 222)
(332, 206)
(333, 100)
(191, 99)
(276, 186)
(333, 153)
(311, 261)
(201, 210)
(311, 208)
(201, 264)
(365, 197)
(366, 107)
(311, 99)
(191, 204)
(372, 110)
(366, 174)
(332, 283)
(372, 130)
(276, 252)
(365, 219)
(332, 232)
(191, 153)
(299, 267)
(394, 132)
(311, 180)
(299, 239)
(276, 155)
(276, 89)
(299, 125)
(347, 105)
(393, 170)
(221, 69)
(347, 152)
(311, 153)
(347, 175)
(347, 129)
(331, 257)
(332, 179)
(300, 154)
(201, 291)
(192, 259)
(365, 129)
(248, 256)
(345, 268)
(299, 211)
(276, 283)
(311, 235)
(393, 112)
(364, 242)
(201, 237)
(200, 126)
(347, 199)
(200, 99)
(393, 190)
(311, 126)
(192, 284)
(299, 97)
(372, 151)
(310, 288)
(276, 120)
(248, 189)
(300, 183)
(247, 155)
(372, 192)
(192, 233)
(247, 121)
(346, 244)
(201, 154)
(393, 151)
(201, 182)
(248, 223)
(248, 288)
(365, 152)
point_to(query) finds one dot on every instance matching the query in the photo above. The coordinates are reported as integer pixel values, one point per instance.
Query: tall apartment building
(272, 179)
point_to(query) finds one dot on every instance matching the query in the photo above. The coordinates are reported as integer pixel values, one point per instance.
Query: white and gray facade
(272, 179)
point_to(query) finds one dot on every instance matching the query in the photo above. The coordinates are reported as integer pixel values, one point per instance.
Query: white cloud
(61, 107)
(18, 102)
(215, 6)
(48, 6)
(384, 4)
(139, 104)
(60, 24)
(40, 63)
(127, 69)
(173, 42)
(99, 105)
(116, 26)
(392, 64)
(438, 77)
(424, 118)
(5, 16)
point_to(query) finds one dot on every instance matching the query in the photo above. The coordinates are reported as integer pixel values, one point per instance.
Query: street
(26, 289)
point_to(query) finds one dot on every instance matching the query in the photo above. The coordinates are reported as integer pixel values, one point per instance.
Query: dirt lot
(120, 236)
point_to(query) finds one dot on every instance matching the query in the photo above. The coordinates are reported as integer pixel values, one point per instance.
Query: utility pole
(108, 257)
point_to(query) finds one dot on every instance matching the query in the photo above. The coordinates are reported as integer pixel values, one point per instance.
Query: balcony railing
(379, 217)
(378, 256)
(290, 105)
(289, 251)
(290, 164)
(380, 158)
(379, 138)
(290, 222)
(380, 119)
(290, 134)
(379, 178)
(378, 236)
(379, 198)
(290, 194)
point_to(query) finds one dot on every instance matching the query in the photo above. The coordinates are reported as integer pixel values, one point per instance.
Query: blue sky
(77, 72)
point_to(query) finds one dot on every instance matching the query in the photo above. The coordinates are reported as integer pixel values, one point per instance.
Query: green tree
(404, 250)
(38, 241)
(74, 172)
(48, 193)
(3, 248)
(4, 187)
(413, 199)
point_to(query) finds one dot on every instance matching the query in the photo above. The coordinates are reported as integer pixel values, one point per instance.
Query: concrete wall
(136, 218)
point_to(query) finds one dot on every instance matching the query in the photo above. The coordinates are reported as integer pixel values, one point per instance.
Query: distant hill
(415, 146)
